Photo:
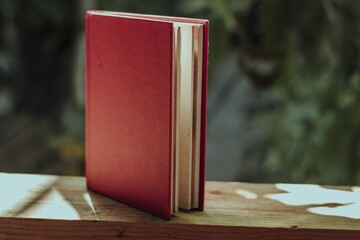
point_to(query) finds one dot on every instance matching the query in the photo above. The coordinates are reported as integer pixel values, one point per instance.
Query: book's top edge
(179, 24)
(148, 17)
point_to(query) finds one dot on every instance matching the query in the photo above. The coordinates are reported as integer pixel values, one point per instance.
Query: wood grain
(52, 207)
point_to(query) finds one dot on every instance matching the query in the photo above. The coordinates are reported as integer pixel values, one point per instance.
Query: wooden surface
(51, 207)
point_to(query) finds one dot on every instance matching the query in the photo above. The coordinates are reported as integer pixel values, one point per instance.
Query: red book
(146, 87)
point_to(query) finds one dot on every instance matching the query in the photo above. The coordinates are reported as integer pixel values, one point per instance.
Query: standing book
(146, 87)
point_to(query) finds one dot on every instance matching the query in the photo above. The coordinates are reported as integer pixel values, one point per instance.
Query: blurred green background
(284, 86)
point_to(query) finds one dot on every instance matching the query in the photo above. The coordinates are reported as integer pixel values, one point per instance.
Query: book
(146, 89)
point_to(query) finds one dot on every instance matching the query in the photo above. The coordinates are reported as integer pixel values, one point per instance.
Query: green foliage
(314, 132)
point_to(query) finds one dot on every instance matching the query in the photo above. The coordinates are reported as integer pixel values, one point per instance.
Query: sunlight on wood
(18, 191)
(25, 195)
(347, 203)
(45, 208)
(88, 200)
(246, 194)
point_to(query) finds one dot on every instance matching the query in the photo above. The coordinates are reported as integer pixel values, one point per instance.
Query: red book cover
(129, 70)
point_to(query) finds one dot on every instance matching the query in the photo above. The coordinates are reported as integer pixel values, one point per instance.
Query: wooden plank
(52, 207)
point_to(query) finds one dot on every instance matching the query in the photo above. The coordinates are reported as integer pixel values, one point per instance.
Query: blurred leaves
(36, 72)
(314, 132)
(69, 142)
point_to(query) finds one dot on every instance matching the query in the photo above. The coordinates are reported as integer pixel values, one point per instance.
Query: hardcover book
(146, 87)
